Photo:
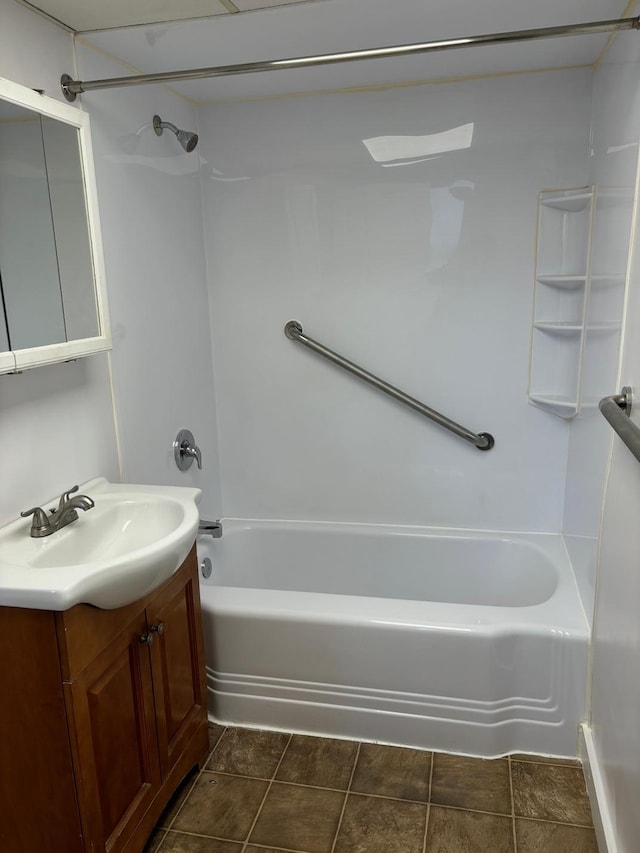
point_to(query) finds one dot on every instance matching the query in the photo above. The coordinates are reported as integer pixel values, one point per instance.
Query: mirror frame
(15, 361)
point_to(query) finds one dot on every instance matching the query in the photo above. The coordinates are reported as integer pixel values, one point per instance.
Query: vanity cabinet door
(114, 738)
(177, 659)
(38, 810)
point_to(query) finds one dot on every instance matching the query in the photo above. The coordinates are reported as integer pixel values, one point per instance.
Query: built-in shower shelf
(572, 329)
(564, 407)
(568, 200)
(578, 297)
(569, 282)
(559, 328)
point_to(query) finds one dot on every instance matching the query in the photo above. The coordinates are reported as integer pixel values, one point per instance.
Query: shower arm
(483, 440)
(71, 88)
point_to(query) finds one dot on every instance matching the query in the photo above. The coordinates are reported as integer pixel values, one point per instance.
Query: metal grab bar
(483, 440)
(617, 410)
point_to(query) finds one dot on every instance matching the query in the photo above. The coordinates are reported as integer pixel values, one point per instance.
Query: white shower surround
(461, 641)
(420, 270)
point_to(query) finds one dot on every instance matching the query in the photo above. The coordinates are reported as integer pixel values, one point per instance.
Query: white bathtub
(460, 641)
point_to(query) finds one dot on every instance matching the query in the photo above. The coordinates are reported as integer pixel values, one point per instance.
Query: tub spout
(210, 528)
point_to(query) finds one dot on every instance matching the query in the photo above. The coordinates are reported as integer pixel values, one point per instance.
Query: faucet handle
(40, 521)
(64, 497)
(192, 451)
(185, 450)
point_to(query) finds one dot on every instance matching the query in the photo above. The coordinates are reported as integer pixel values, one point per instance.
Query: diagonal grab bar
(483, 440)
(617, 410)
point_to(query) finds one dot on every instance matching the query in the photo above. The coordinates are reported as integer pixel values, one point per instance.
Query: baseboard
(600, 807)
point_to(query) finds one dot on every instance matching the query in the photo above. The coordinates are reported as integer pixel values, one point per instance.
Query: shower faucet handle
(185, 450)
(192, 451)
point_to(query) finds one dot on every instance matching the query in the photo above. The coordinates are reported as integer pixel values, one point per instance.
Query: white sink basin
(127, 545)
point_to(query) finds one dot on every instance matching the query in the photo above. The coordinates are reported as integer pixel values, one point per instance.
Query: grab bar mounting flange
(624, 400)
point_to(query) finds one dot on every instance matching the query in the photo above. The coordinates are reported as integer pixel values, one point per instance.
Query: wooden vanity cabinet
(103, 712)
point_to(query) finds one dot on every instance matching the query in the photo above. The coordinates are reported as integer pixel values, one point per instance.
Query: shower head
(185, 138)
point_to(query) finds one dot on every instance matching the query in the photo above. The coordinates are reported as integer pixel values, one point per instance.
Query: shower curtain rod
(71, 88)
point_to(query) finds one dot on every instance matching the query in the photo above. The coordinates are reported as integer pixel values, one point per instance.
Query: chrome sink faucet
(45, 525)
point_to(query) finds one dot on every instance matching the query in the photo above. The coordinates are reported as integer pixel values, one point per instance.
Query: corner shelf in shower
(559, 328)
(570, 329)
(568, 282)
(561, 406)
(567, 200)
(577, 300)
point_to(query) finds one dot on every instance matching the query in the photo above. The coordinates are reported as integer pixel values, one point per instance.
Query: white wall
(614, 159)
(151, 211)
(56, 422)
(420, 270)
(616, 644)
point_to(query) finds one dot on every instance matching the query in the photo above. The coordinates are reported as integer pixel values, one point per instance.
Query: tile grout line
(326, 788)
(502, 814)
(164, 832)
(177, 832)
(191, 787)
(547, 763)
(216, 744)
(346, 797)
(196, 776)
(283, 849)
(213, 748)
(191, 834)
(459, 808)
(426, 823)
(556, 822)
(266, 794)
(513, 809)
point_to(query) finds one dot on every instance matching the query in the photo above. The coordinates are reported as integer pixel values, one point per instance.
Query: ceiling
(86, 15)
(228, 32)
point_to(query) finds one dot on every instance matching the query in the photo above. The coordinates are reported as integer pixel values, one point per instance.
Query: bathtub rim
(384, 526)
(557, 613)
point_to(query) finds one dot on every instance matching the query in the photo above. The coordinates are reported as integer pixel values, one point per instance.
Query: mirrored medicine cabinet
(52, 286)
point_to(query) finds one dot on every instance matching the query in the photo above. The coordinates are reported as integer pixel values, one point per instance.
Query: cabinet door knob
(157, 629)
(146, 638)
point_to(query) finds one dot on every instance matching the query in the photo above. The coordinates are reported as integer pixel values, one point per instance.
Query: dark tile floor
(267, 792)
